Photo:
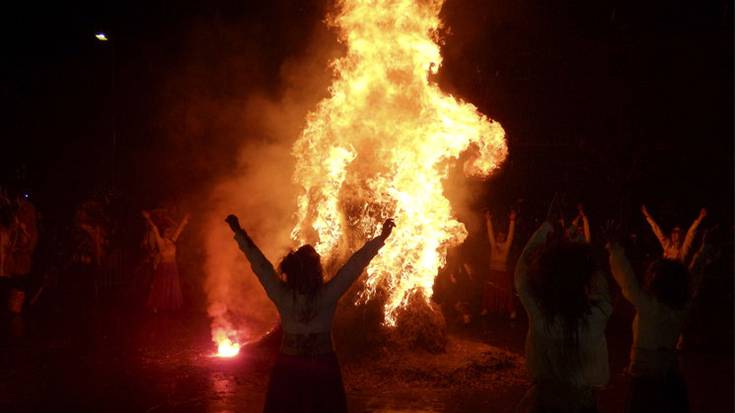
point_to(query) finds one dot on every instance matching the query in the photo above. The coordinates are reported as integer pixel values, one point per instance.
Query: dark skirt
(306, 384)
(165, 293)
(558, 398)
(667, 393)
(498, 294)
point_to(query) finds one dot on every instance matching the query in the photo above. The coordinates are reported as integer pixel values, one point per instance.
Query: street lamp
(110, 47)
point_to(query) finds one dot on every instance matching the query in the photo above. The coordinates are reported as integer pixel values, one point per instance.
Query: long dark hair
(304, 275)
(559, 280)
(668, 281)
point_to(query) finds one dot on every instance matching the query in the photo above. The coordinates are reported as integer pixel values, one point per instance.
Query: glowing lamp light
(101, 37)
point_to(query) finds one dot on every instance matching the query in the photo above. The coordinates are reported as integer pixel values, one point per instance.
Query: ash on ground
(465, 364)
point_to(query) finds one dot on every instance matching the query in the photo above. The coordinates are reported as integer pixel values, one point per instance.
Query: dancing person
(306, 377)
(165, 291)
(674, 248)
(498, 294)
(97, 237)
(576, 233)
(23, 242)
(92, 239)
(662, 304)
(568, 306)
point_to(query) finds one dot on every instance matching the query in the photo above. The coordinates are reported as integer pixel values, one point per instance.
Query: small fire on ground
(226, 347)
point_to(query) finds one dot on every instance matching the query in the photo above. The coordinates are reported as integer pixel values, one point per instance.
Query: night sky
(607, 101)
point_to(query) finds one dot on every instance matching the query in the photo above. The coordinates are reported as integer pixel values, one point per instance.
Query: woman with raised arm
(306, 376)
(662, 303)
(568, 305)
(674, 248)
(498, 292)
(165, 292)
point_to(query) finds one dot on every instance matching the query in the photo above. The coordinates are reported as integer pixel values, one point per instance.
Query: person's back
(547, 349)
(568, 306)
(306, 376)
(309, 312)
(656, 330)
(662, 306)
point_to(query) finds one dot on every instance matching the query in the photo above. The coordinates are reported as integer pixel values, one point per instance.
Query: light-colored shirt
(290, 304)
(656, 326)
(545, 343)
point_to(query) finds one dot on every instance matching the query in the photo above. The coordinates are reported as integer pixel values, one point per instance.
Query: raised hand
(512, 215)
(233, 222)
(644, 210)
(388, 226)
(702, 213)
(146, 214)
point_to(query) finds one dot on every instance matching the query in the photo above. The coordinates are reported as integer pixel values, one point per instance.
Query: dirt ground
(108, 362)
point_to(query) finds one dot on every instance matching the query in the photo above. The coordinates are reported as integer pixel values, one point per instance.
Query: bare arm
(691, 233)
(511, 229)
(654, 226)
(352, 269)
(153, 227)
(586, 228)
(490, 231)
(262, 268)
(582, 217)
(181, 227)
(623, 274)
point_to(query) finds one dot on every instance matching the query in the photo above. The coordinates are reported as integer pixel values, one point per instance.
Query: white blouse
(291, 305)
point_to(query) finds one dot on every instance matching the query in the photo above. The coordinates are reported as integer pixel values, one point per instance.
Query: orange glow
(382, 143)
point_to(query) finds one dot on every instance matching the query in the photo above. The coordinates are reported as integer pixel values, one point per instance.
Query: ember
(380, 146)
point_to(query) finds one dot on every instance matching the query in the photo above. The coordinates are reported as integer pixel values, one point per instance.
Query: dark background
(613, 102)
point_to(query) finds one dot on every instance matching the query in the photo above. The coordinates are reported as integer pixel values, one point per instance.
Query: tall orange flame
(380, 145)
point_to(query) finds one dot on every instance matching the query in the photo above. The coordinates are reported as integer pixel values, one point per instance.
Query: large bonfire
(381, 145)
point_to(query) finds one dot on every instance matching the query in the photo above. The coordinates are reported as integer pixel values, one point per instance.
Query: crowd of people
(77, 264)
(560, 281)
(565, 293)
(559, 278)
